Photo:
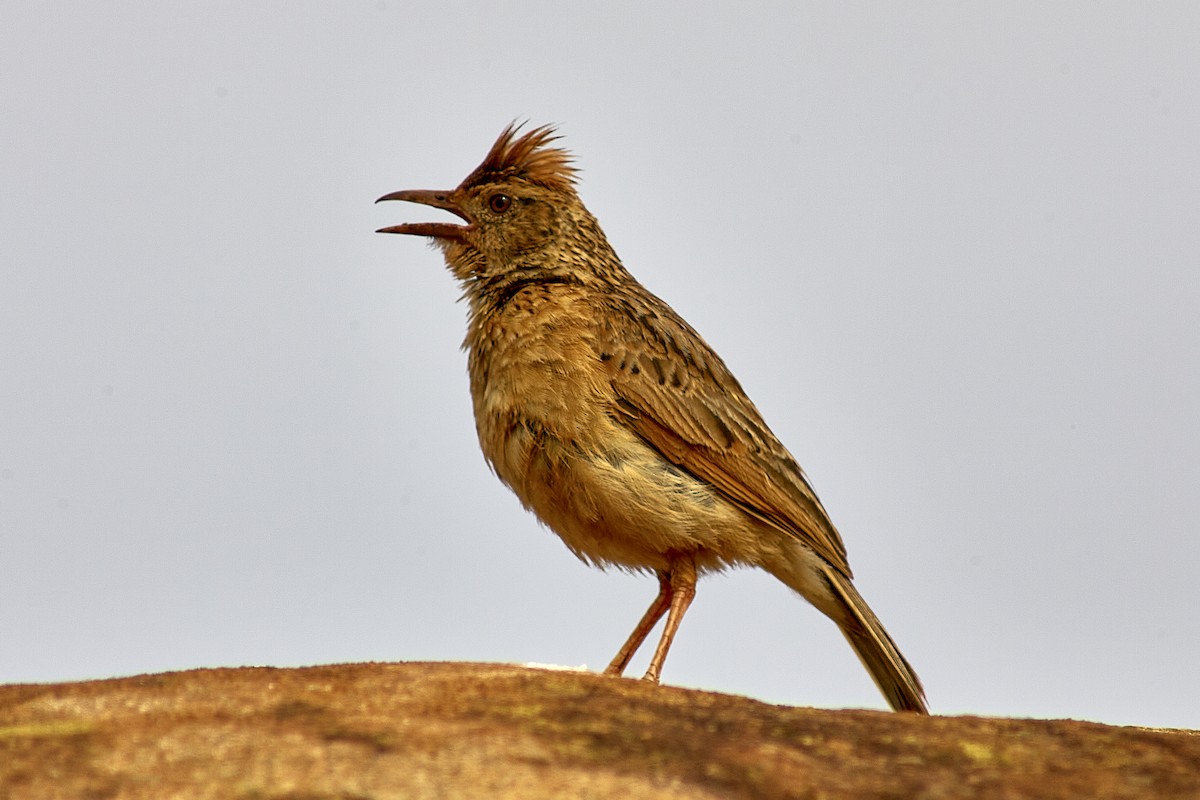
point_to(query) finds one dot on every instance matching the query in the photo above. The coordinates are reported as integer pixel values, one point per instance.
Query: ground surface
(418, 730)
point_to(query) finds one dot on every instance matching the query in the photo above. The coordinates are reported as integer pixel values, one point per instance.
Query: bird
(614, 422)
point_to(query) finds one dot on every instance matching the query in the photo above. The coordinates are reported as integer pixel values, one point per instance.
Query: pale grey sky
(949, 249)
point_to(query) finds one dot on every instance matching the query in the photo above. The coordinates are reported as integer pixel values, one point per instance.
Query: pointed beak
(428, 197)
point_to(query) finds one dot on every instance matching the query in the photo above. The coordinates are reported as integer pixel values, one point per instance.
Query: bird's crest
(528, 156)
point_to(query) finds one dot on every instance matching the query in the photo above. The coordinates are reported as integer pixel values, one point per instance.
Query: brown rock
(493, 731)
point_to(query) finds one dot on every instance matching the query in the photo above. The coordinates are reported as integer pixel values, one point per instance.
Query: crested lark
(615, 423)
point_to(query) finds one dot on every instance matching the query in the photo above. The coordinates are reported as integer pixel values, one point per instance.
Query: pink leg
(683, 589)
(649, 620)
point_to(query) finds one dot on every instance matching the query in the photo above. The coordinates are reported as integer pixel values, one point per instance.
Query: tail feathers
(878, 653)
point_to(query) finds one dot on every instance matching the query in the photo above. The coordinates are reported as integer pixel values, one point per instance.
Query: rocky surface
(418, 730)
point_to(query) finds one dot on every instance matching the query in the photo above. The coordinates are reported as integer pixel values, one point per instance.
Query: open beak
(428, 197)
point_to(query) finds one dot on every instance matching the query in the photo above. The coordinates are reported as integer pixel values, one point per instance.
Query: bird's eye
(499, 203)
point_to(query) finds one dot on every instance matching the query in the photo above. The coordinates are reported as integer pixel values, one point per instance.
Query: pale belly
(616, 501)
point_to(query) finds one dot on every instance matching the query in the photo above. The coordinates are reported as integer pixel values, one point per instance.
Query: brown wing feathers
(705, 424)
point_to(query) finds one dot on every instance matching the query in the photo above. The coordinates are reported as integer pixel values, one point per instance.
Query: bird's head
(516, 207)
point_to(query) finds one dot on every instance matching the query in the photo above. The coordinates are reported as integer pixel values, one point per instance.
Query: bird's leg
(649, 620)
(683, 589)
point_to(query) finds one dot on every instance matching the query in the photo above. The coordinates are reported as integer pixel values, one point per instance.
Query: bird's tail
(875, 648)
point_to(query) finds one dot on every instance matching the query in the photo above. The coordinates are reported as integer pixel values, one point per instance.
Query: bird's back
(591, 398)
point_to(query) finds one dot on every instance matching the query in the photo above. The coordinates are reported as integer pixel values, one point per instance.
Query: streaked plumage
(612, 419)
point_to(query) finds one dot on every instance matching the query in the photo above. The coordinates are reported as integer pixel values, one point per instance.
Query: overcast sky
(951, 251)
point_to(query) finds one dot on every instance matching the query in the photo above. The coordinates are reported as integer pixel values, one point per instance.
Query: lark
(614, 422)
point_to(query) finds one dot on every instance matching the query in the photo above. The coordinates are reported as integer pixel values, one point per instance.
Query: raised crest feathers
(528, 156)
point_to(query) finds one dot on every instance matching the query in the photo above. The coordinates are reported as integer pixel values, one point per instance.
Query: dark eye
(499, 203)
